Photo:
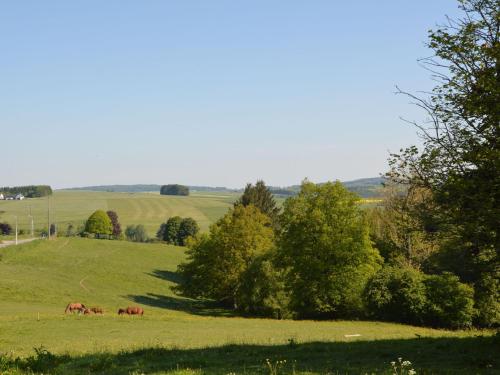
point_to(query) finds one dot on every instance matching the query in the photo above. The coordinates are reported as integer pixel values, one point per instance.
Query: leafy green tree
(177, 230)
(160, 234)
(136, 233)
(451, 303)
(262, 290)
(99, 224)
(326, 251)
(460, 158)
(171, 233)
(188, 228)
(216, 262)
(397, 294)
(261, 197)
(117, 229)
(399, 229)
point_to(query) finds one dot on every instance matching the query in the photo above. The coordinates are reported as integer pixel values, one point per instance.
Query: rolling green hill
(149, 209)
(364, 187)
(177, 334)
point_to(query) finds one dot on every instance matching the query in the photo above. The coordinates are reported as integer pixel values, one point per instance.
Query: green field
(149, 209)
(176, 334)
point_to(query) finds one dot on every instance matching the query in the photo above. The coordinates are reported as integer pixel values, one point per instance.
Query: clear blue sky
(207, 92)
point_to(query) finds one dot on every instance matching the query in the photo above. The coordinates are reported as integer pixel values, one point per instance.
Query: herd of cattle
(80, 308)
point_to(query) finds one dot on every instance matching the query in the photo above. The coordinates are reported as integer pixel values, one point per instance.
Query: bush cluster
(5, 229)
(403, 294)
(177, 230)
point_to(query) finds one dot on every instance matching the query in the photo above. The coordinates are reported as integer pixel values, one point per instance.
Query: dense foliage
(30, 191)
(262, 289)
(404, 294)
(460, 159)
(136, 233)
(261, 197)
(99, 224)
(117, 229)
(177, 230)
(397, 294)
(451, 303)
(326, 251)
(174, 190)
(217, 261)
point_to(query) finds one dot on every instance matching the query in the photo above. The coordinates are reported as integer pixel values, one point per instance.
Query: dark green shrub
(177, 230)
(5, 229)
(487, 293)
(262, 290)
(450, 302)
(397, 294)
(136, 233)
(188, 228)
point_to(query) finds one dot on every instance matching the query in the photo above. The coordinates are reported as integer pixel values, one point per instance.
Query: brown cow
(77, 306)
(97, 310)
(131, 311)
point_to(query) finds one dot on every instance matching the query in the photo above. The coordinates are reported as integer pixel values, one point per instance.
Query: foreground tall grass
(473, 355)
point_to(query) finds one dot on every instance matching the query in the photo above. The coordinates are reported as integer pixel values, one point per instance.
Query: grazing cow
(77, 306)
(97, 310)
(131, 311)
(87, 311)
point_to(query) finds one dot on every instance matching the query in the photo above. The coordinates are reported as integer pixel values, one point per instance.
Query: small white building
(19, 197)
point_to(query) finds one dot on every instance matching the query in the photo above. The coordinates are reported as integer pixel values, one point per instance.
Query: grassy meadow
(181, 336)
(149, 209)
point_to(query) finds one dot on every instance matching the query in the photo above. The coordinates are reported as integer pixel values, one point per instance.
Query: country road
(13, 242)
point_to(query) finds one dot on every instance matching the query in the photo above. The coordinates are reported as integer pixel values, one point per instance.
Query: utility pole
(48, 217)
(16, 230)
(32, 226)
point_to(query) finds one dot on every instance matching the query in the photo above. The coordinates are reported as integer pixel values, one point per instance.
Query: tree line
(106, 225)
(174, 189)
(427, 255)
(29, 191)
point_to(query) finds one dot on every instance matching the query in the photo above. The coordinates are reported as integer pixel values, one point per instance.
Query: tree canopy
(177, 230)
(174, 189)
(99, 224)
(217, 261)
(326, 251)
(261, 197)
(117, 229)
(460, 158)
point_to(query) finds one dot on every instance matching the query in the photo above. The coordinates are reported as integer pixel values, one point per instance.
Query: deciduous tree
(99, 224)
(326, 251)
(117, 229)
(217, 261)
(460, 158)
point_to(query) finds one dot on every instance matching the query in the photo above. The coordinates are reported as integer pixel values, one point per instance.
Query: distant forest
(30, 191)
(364, 187)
